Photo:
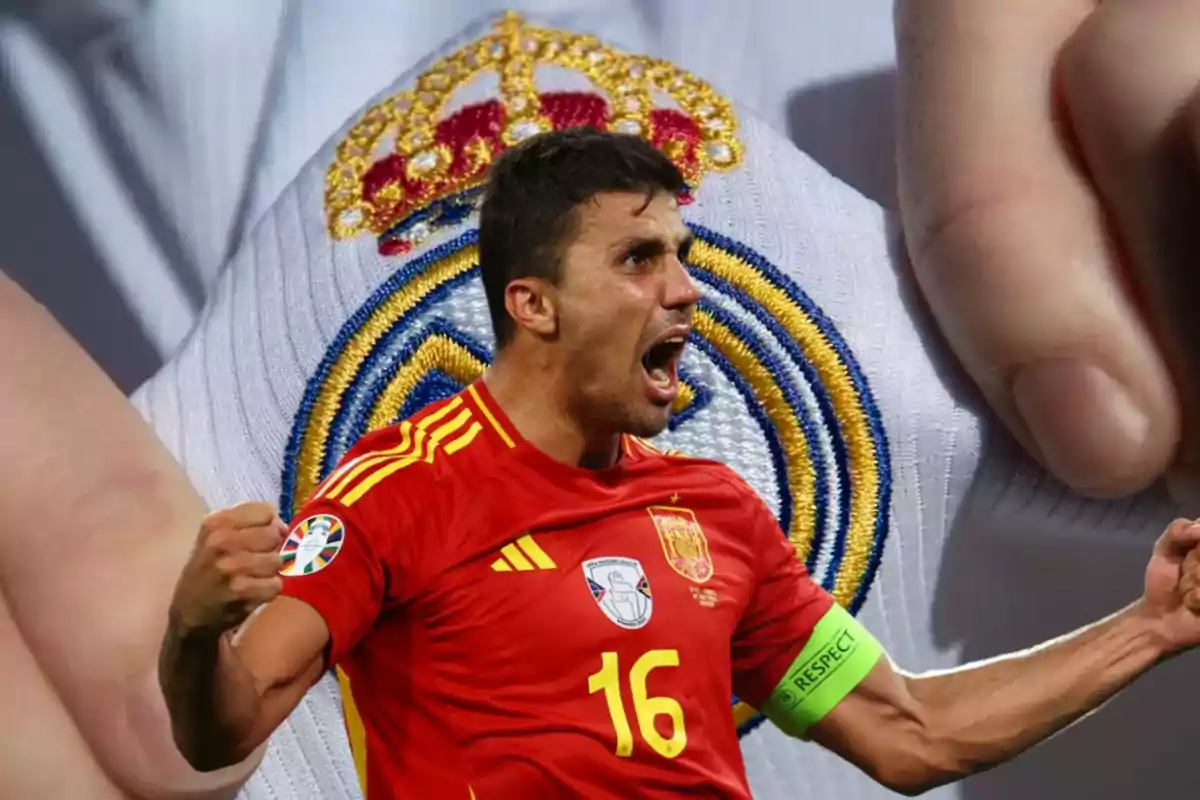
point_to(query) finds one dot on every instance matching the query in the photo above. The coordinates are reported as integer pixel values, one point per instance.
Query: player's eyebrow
(652, 246)
(646, 246)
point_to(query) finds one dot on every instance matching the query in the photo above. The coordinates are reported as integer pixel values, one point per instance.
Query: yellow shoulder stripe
(424, 451)
(464, 439)
(487, 413)
(412, 437)
(346, 472)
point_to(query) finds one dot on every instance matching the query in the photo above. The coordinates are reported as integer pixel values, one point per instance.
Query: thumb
(1009, 246)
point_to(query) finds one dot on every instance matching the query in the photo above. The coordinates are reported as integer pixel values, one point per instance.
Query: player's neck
(533, 406)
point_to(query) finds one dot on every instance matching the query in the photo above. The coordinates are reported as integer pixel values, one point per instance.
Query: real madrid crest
(768, 385)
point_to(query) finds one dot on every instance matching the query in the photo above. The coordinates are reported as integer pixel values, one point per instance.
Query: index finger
(1182, 535)
(250, 515)
(1010, 247)
(258, 539)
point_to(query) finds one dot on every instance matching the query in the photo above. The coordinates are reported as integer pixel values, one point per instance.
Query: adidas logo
(523, 555)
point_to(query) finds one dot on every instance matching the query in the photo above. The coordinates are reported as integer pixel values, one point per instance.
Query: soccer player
(524, 599)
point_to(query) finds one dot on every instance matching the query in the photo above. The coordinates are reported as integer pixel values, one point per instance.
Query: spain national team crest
(621, 589)
(683, 542)
(312, 545)
(768, 384)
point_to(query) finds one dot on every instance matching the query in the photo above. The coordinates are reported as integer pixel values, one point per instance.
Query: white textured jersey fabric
(977, 552)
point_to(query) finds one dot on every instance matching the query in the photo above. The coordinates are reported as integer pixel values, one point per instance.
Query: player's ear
(533, 305)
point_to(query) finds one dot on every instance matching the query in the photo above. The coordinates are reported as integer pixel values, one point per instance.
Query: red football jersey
(509, 627)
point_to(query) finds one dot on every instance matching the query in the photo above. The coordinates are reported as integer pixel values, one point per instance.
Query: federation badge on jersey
(621, 589)
(312, 545)
(683, 542)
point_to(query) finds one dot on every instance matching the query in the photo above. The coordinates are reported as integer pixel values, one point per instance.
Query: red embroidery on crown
(437, 164)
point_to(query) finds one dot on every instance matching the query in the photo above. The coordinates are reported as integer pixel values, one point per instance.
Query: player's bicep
(280, 642)
(283, 648)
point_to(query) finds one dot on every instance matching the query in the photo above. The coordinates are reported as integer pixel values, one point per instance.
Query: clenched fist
(1173, 584)
(233, 569)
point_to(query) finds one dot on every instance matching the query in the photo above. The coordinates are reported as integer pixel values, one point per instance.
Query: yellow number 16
(608, 680)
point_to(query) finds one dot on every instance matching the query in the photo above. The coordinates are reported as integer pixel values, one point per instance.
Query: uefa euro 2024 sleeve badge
(768, 385)
(312, 545)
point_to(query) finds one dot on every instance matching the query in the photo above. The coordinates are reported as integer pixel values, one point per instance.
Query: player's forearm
(976, 717)
(213, 700)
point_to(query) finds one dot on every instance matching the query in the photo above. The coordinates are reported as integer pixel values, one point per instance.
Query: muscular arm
(913, 733)
(227, 694)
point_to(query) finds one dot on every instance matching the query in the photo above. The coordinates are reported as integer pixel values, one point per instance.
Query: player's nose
(681, 289)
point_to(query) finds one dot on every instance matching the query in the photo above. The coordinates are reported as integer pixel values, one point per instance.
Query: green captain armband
(836, 659)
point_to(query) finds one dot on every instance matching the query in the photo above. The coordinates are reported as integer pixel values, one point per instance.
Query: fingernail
(1086, 425)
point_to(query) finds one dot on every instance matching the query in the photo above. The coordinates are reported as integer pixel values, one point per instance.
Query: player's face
(625, 310)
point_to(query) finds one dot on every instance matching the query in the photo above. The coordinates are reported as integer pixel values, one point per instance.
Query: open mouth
(661, 364)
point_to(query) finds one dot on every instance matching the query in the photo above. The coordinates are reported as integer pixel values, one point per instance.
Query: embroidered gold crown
(408, 168)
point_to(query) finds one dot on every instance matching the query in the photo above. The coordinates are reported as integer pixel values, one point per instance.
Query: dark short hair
(532, 192)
